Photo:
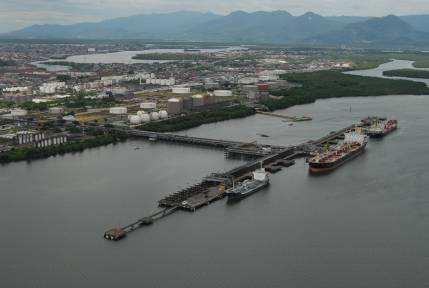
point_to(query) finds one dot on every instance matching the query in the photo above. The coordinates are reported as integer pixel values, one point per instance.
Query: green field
(410, 73)
(329, 84)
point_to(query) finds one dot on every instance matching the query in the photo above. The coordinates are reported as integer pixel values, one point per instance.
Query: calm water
(125, 57)
(393, 65)
(365, 225)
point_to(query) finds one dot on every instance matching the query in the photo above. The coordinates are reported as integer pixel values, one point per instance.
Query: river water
(393, 65)
(365, 225)
(122, 57)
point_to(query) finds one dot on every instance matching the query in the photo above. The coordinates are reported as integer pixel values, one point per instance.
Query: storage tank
(148, 105)
(118, 110)
(18, 112)
(163, 114)
(154, 116)
(135, 119)
(197, 100)
(222, 93)
(140, 113)
(145, 117)
(181, 90)
(174, 106)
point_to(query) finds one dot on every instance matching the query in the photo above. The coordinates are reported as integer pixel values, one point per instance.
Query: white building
(51, 87)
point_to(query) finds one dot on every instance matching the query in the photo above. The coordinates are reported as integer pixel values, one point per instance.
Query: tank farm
(212, 187)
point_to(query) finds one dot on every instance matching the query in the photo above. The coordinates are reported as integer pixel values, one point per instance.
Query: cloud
(15, 14)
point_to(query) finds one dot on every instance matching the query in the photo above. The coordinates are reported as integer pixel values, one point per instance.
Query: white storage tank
(154, 116)
(135, 119)
(145, 117)
(222, 93)
(118, 110)
(181, 90)
(163, 114)
(18, 112)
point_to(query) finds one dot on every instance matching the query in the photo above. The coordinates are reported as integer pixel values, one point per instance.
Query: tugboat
(353, 145)
(259, 181)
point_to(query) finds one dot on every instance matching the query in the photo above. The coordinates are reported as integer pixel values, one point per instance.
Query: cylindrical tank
(163, 114)
(174, 106)
(118, 110)
(135, 119)
(222, 93)
(154, 116)
(18, 112)
(145, 117)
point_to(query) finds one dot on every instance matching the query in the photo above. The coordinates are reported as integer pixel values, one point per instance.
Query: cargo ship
(259, 181)
(353, 145)
(381, 129)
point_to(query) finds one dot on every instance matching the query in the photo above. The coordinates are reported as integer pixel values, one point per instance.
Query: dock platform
(214, 186)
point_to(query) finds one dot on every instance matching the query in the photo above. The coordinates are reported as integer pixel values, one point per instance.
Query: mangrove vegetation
(196, 119)
(329, 84)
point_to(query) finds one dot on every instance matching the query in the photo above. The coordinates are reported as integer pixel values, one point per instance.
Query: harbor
(87, 193)
(271, 158)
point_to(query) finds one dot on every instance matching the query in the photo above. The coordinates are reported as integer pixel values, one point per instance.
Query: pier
(286, 117)
(214, 186)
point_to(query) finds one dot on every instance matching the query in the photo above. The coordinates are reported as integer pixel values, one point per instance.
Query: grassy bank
(329, 84)
(410, 73)
(197, 119)
(31, 153)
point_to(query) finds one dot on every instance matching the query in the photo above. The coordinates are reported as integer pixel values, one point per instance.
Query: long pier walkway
(213, 187)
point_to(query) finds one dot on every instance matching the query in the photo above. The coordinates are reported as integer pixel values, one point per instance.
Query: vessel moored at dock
(379, 129)
(353, 145)
(259, 181)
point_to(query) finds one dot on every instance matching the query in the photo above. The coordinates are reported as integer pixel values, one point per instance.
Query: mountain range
(277, 27)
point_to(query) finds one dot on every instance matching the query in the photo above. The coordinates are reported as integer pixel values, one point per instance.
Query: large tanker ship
(380, 129)
(353, 145)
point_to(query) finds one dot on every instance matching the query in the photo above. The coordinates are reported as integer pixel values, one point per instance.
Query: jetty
(212, 187)
(289, 118)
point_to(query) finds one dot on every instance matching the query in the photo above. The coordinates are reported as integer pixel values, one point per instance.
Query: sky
(15, 14)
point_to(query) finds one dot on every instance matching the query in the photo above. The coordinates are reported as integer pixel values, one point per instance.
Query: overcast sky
(16, 14)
